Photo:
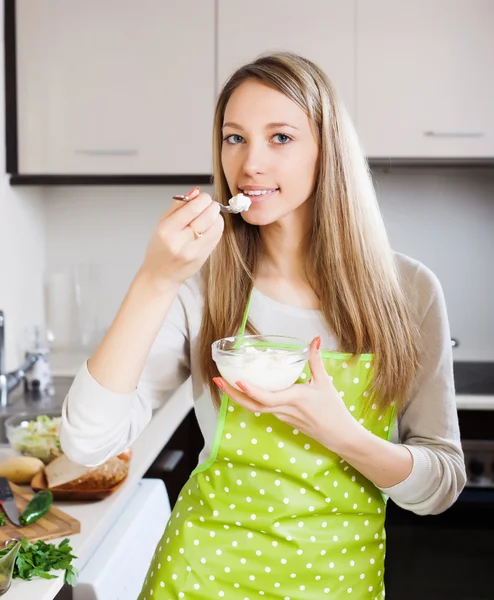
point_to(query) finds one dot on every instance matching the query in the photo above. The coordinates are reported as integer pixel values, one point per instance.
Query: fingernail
(241, 385)
(193, 192)
(318, 342)
(219, 383)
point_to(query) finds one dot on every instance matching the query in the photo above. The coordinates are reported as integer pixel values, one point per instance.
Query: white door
(425, 81)
(112, 87)
(320, 30)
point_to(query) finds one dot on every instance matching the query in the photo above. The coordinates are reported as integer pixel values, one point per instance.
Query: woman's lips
(257, 199)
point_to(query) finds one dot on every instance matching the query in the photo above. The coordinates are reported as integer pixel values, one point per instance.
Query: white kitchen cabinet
(320, 30)
(111, 87)
(119, 566)
(425, 82)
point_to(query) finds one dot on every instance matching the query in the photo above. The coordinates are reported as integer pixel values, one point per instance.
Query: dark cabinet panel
(179, 457)
(443, 557)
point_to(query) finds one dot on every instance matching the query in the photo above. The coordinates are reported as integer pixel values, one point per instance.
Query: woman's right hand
(175, 252)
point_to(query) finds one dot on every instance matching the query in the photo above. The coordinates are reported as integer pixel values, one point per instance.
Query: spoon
(223, 207)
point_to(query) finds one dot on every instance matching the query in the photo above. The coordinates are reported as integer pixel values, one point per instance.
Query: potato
(20, 469)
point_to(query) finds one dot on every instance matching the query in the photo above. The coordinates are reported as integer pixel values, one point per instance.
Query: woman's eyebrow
(268, 126)
(276, 125)
(232, 125)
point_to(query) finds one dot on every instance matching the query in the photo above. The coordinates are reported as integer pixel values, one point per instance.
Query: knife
(8, 502)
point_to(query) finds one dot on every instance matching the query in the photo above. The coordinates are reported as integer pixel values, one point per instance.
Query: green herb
(3, 520)
(39, 558)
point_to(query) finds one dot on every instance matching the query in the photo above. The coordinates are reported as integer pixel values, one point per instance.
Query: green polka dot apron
(274, 514)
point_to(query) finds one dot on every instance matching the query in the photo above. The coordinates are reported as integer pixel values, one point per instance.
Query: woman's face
(269, 152)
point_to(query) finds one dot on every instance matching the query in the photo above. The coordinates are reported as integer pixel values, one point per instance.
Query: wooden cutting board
(54, 524)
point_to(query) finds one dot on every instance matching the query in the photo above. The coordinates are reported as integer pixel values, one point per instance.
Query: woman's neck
(282, 273)
(282, 254)
(284, 244)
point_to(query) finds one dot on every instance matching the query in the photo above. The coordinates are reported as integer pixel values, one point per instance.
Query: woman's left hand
(315, 408)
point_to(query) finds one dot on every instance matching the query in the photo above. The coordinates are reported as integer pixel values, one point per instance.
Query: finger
(239, 397)
(176, 204)
(189, 211)
(205, 220)
(194, 192)
(315, 360)
(269, 399)
(206, 243)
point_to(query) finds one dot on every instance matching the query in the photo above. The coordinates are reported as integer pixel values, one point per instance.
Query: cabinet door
(320, 30)
(111, 87)
(425, 82)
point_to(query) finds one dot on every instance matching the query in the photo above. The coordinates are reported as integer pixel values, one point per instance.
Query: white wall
(443, 218)
(104, 226)
(22, 250)
(446, 220)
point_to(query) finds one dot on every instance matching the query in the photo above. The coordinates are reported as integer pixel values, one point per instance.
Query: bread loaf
(62, 474)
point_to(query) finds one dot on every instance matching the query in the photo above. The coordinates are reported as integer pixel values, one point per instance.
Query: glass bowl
(35, 434)
(269, 362)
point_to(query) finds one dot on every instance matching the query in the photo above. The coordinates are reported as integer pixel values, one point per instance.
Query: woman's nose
(255, 159)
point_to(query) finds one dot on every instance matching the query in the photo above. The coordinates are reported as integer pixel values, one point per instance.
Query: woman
(289, 502)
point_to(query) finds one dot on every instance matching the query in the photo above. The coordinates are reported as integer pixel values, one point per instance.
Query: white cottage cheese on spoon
(240, 202)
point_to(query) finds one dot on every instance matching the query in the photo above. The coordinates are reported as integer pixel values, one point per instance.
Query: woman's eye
(233, 139)
(282, 138)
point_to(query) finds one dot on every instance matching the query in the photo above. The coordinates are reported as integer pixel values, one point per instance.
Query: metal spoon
(223, 207)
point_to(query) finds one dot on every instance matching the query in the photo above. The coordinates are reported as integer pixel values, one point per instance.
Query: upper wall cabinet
(111, 87)
(321, 30)
(425, 82)
(106, 87)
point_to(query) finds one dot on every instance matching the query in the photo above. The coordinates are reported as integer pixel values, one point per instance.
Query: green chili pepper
(38, 506)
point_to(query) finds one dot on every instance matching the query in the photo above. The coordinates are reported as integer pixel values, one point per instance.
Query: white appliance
(117, 569)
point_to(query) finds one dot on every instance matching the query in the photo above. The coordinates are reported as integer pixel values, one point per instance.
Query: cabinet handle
(457, 134)
(108, 152)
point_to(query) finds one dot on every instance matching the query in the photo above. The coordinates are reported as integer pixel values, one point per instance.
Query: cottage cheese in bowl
(271, 363)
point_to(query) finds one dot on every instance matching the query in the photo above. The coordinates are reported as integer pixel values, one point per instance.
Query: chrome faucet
(9, 381)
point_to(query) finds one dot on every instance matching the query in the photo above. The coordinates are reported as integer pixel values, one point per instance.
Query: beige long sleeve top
(98, 423)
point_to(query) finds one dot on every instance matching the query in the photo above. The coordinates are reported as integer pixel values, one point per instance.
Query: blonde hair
(350, 264)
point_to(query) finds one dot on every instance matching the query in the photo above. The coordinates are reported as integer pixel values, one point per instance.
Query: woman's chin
(257, 217)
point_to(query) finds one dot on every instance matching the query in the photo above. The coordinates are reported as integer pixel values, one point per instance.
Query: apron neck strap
(246, 316)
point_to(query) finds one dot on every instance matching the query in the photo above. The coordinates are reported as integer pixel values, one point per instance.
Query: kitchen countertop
(98, 517)
(474, 402)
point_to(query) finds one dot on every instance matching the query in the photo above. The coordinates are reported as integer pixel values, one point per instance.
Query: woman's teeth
(257, 192)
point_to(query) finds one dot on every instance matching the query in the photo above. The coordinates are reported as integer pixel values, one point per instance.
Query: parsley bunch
(39, 558)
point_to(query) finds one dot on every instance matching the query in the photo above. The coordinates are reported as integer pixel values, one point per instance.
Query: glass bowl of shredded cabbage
(35, 434)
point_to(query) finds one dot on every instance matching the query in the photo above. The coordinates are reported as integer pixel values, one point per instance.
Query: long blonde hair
(350, 264)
